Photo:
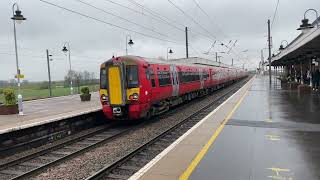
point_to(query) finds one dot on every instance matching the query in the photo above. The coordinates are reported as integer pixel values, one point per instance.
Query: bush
(1, 91)
(85, 90)
(9, 97)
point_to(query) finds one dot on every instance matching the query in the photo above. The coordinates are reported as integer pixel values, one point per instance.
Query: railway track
(40, 160)
(125, 166)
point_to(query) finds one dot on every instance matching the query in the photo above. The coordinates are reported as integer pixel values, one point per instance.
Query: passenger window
(164, 78)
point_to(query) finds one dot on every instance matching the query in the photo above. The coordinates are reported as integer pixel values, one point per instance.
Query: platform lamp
(281, 45)
(17, 17)
(276, 52)
(305, 22)
(67, 50)
(130, 43)
(169, 51)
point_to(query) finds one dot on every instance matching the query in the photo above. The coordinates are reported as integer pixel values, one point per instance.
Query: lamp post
(305, 22)
(49, 72)
(281, 45)
(130, 43)
(17, 17)
(65, 50)
(169, 51)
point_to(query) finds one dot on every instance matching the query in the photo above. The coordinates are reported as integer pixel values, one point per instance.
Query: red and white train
(134, 87)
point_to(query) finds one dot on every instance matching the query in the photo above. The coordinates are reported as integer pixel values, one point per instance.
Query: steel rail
(71, 142)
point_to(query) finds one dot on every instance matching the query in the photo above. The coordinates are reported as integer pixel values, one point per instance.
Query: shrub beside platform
(85, 94)
(10, 104)
(9, 109)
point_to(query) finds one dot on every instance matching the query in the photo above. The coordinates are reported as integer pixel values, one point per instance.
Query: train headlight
(104, 97)
(134, 97)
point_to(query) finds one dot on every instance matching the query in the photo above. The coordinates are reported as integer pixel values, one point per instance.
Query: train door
(175, 82)
(153, 92)
(117, 94)
(201, 71)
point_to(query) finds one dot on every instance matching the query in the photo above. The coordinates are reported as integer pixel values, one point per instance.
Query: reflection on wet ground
(274, 134)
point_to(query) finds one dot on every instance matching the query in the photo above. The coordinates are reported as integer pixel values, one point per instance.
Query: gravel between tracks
(92, 161)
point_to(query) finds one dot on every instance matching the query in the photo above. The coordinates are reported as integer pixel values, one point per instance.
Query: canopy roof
(304, 47)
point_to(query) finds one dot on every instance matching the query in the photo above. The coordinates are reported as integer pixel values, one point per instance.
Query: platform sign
(21, 76)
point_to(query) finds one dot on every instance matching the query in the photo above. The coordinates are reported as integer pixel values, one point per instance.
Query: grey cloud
(92, 42)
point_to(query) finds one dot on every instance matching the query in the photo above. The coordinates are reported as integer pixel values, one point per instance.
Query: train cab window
(205, 75)
(103, 78)
(151, 74)
(164, 78)
(132, 76)
(147, 74)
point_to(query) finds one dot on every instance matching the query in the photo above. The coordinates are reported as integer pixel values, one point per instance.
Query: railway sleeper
(128, 167)
(116, 176)
(12, 172)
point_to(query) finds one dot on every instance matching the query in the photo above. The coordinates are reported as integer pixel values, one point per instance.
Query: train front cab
(120, 90)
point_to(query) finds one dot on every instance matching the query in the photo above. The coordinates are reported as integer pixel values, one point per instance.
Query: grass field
(29, 94)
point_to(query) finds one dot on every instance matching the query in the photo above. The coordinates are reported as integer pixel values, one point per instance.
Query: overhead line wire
(158, 18)
(275, 13)
(108, 23)
(193, 20)
(150, 29)
(207, 15)
(156, 14)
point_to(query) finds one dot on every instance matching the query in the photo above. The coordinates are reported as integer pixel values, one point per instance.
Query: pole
(301, 73)
(127, 45)
(49, 74)
(232, 62)
(216, 56)
(262, 62)
(71, 88)
(187, 51)
(269, 45)
(20, 99)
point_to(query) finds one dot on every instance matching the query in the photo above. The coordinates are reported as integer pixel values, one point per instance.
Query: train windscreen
(103, 78)
(132, 76)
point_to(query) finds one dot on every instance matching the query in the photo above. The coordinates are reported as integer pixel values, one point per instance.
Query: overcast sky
(92, 42)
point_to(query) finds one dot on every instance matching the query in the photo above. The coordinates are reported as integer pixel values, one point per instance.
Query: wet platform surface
(38, 112)
(274, 134)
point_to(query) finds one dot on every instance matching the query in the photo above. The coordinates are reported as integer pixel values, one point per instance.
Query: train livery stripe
(115, 90)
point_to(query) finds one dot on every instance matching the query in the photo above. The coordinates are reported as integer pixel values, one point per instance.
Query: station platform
(262, 132)
(42, 111)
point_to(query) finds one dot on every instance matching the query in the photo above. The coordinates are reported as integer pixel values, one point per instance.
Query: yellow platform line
(186, 174)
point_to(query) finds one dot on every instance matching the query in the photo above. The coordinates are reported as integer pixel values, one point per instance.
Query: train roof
(192, 61)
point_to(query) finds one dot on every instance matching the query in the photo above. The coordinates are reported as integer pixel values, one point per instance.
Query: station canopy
(305, 47)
